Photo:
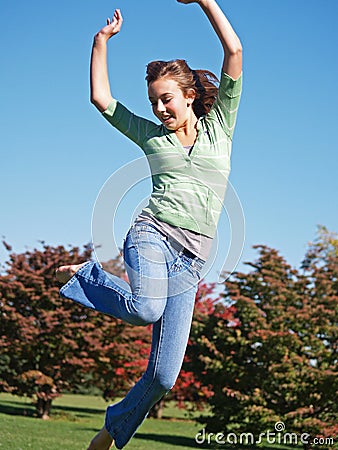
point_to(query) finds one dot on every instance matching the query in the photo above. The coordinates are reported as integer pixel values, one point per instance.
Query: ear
(190, 96)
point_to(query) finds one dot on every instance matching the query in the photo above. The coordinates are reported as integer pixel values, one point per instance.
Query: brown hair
(203, 82)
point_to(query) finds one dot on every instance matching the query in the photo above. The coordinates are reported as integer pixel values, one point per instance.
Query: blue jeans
(163, 284)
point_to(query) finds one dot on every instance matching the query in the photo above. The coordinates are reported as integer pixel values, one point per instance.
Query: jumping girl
(168, 243)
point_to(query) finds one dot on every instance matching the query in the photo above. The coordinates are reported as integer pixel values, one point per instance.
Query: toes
(65, 273)
(62, 277)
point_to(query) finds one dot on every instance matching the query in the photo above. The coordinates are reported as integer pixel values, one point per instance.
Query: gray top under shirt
(196, 243)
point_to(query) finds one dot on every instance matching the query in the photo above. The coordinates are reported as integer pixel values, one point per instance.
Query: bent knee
(147, 314)
(164, 383)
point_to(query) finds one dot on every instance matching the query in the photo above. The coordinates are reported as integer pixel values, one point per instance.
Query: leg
(170, 337)
(150, 261)
(140, 303)
(142, 257)
(102, 441)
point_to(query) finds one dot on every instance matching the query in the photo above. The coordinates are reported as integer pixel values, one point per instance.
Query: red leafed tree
(44, 345)
(121, 356)
(189, 391)
(50, 344)
(122, 350)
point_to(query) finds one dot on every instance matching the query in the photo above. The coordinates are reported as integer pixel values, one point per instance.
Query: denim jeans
(163, 283)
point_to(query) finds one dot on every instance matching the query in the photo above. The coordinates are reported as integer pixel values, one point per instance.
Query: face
(169, 104)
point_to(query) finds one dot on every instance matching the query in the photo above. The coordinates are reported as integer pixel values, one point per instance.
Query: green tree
(280, 362)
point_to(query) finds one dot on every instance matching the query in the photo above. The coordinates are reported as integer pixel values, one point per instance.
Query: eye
(163, 100)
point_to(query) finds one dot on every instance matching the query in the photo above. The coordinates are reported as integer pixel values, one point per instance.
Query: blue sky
(57, 152)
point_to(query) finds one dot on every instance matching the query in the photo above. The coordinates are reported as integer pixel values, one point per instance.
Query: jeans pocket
(196, 267)
(176, 266)
(194, 270)
(184, 263)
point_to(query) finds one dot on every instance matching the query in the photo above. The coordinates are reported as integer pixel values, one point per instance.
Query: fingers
(114, 24)
(116, 19)
(118, 15)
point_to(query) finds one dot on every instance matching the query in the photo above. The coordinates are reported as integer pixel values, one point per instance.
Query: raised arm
(232, 64)
(100, 94)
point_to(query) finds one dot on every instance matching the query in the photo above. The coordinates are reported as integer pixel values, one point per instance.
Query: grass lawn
(76, 418)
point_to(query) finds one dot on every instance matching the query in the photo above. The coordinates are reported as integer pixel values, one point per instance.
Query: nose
(160, 106)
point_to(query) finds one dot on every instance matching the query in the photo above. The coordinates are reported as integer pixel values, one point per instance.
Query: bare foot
(65, 273)
(102, 441)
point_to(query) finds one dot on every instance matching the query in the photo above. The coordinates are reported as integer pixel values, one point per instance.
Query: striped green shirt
(188, 190)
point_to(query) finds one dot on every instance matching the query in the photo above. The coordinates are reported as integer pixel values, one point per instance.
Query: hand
(113, 26)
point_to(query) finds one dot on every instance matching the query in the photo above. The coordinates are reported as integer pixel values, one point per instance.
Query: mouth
(166, 119)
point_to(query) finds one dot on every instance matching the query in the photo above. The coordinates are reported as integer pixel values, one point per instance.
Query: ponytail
(207, 87)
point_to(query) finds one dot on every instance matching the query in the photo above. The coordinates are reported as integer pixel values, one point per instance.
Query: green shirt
(188, 190)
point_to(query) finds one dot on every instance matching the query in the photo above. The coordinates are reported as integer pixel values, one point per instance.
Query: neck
(187, 133)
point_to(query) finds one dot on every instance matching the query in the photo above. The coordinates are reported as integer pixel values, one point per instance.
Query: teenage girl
(166, 247)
